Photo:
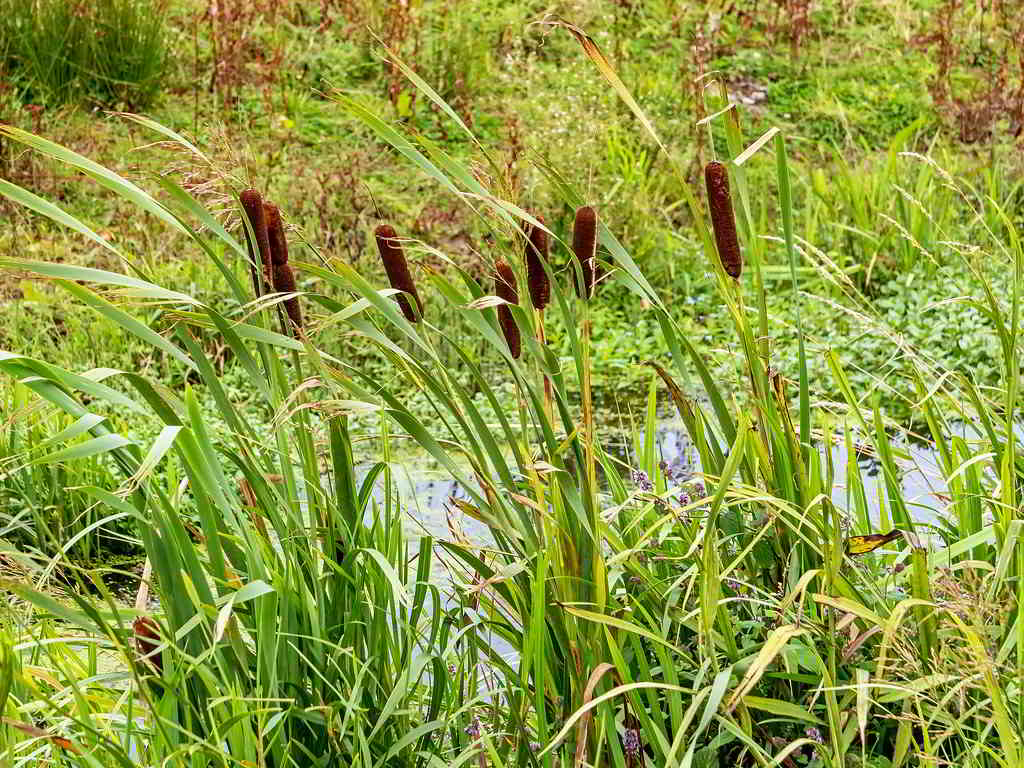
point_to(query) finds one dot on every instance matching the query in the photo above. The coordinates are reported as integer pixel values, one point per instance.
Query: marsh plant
(107, 52)
(711, 614)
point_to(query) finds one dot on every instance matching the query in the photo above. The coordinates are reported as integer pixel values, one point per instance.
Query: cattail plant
(284, 282)
(584, 245)
(283, 275)
(505, 288)
(536, 276)
(275, 234)
(398, 271)
(539, 286)
(252, 204)
(147, 640)
(722, 219)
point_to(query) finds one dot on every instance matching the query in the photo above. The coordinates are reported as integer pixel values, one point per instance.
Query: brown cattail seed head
(505, 288)
(723, 220)
(275, 234)
(536, 276)
(147, 640)
(252, 204)
(284, 282)
(584, 245)
(398, 270)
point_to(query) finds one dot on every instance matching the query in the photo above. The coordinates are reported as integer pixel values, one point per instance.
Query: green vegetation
(107, 52)
(160, 400)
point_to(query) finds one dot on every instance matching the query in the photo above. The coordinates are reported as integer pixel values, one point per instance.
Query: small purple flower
(814, 734)
(534, 746)
(641, 480)
(666, 470)
(473, 729)
(631, 743)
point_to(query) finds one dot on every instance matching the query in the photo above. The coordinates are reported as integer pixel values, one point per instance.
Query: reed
(397, 269)
(505, 287)
(723, 220)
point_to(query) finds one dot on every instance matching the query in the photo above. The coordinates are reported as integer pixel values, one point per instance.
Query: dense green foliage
(620, 610)
(106, 52)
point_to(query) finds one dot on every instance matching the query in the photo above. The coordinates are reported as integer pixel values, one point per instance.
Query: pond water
(426, 488)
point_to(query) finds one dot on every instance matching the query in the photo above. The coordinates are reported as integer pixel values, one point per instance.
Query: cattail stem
(539, 285)
(397, 269)
(598, 572)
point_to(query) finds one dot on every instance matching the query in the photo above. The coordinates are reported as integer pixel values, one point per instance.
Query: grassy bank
(853, 88)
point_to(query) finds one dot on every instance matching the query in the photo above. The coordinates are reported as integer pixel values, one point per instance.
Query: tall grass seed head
(505, 287)
(536, 276)
(397, 269)
(584, 246)
(723, 221)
